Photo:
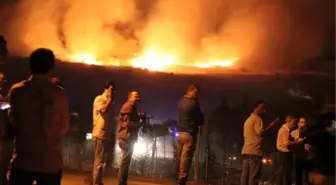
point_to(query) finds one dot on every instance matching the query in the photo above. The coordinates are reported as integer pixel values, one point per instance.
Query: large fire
(151, 60)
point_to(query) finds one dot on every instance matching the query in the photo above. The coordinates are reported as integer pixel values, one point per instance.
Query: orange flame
(151, 60)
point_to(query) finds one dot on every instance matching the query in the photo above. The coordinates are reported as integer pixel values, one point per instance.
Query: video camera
(143, 118)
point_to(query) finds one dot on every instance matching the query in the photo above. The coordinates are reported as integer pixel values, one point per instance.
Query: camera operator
(129, 125)
(321, 137)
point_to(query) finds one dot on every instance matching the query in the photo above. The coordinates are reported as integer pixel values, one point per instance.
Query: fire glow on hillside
(151, 60)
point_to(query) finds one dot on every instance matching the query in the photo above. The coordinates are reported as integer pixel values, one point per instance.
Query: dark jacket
(323, 146)
(3, 49)
(190, 116)
(128, 121)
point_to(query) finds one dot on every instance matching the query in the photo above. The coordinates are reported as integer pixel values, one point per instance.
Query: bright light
(84, 58)
(176, 134)
(88, 136)
(88, 58)
(266, 161)
(140, 147)
(153, 61)
(216, 63)
(232, 158)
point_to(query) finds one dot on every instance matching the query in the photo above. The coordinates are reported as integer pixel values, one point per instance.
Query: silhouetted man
(190, 117)
(320, 134)
(129, 124)
(6, 135)
(40, 115)
(102, 130)
(3, 51)
(252, 151)
(300, 154)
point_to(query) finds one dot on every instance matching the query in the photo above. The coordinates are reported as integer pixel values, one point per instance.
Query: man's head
(192, 91)
(302, 122)
(2, 39)
(290, 120)
(134, 96)
(41, 61)
(109, 88)
(259, 107)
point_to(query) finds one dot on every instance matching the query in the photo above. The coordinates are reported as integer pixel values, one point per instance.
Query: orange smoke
(158, 35)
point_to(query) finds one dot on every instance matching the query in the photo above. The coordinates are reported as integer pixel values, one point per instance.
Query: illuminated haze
(261, 33)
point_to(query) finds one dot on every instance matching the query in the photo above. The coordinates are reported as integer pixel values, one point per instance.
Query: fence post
(197, 152)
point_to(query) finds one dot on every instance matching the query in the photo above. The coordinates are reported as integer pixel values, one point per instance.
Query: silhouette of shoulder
(17, 86)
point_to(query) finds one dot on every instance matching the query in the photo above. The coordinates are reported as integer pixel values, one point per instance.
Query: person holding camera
(129, 125)
(102, 130)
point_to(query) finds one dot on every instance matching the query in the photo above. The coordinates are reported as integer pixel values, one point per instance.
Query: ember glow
(151, 60)
(157, 35)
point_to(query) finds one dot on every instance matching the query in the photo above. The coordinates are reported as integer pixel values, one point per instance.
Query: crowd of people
(35, 115)
(309, 150)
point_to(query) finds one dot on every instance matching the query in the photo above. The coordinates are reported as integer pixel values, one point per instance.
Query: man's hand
(272, 124)
(300, 140)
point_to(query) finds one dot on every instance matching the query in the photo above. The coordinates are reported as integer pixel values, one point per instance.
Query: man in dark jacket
(190, 117)
(321, 137)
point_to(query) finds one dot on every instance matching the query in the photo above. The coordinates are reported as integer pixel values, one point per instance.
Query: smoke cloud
(260, 32)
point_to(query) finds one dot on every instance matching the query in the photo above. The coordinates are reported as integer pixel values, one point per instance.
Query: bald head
(134, 96)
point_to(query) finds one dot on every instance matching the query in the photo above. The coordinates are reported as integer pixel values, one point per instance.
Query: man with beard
(129, 124)
(190, 117)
